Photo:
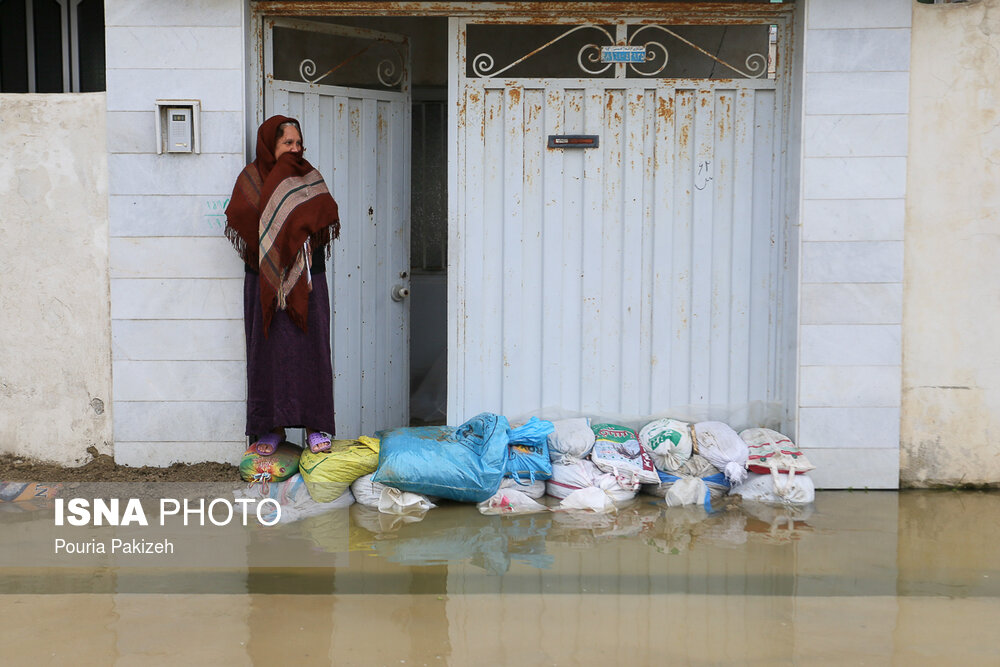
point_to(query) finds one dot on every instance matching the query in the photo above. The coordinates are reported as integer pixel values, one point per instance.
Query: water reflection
(872, 577)
(845, 544)
(490, 543)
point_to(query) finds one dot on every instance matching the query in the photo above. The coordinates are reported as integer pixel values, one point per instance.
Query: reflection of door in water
(349, 88)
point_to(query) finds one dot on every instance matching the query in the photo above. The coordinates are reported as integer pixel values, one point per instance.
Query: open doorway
(428, 251)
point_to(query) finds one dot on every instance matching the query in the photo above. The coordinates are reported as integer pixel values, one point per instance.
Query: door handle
(400, 292)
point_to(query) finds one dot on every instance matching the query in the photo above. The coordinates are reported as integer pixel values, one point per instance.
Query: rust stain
(474, 96)
(724, 118)
(515, 96)
(635, 104)
(666, 109)
(684, 136)
(693, 13)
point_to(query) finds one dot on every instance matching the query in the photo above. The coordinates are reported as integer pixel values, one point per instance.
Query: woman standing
(282, 219)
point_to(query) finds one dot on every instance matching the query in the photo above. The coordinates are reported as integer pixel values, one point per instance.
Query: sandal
(319, 442)
(267, 445)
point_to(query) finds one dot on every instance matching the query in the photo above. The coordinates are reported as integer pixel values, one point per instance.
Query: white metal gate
(638, 277)
(359, 139)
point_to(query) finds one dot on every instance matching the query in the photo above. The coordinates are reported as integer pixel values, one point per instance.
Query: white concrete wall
(55, 329)
(951, 371)
(176, 284)
(854, 146)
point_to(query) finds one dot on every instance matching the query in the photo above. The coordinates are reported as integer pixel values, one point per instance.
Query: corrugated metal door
(634, 278)
(359, 139)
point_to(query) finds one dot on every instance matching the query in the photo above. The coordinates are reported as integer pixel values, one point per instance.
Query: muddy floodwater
(856, 578)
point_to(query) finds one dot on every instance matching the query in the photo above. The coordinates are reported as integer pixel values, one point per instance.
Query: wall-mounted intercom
(178, 126)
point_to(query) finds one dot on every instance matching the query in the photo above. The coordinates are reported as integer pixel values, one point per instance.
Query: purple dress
(289, 373)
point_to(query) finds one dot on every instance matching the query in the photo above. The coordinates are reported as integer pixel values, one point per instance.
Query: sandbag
(591, 498)
(365, 491)
(668, 443)
(723, 448)
(295, 501)
(510, 501)
(403, 503)
(777, 489)
(697, 482)
(617, 450)
(265, 470)
(23, 492)
(570, 476)
(534, 489)
(464, 463)
(528, 451)
(328, 474)
(770, 451)
(371, 494)
(571, 438)
(567, 478)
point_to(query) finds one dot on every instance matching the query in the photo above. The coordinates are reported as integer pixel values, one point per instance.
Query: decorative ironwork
(483, 63)
(388, 69)
(385, 70)
(756, 64)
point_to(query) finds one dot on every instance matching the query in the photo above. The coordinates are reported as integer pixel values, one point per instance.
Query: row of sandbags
(683, 463)
(405, 469)
(507, 469)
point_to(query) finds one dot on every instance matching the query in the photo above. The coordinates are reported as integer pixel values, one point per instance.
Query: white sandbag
(618, 489)
(667, 441)
(370, 493)
(713, 486)
(771, 451)
(723, 448)
(777, 489)
(511, 501)
(581, 474)
(366, 492)
(294, 499)
(570, 476)
(591, 498)
(572, 438)
(533, 490)
(617, 450)
(394, 501)
(686, 491)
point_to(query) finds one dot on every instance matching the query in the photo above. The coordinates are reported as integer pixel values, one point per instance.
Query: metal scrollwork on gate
(657, 55)
(389, 71)
(483, 63)
(756, 63)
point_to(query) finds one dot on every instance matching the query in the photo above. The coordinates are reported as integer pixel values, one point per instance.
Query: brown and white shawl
(279, 212)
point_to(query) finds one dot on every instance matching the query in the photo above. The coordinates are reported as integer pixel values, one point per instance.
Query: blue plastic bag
(466, 463)
(528, 451)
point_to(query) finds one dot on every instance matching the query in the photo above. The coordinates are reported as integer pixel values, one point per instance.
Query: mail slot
(573, 141)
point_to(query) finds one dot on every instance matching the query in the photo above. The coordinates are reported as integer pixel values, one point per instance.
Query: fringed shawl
(279, 212)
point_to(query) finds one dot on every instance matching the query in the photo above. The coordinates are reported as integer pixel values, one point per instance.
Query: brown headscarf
(281, 211)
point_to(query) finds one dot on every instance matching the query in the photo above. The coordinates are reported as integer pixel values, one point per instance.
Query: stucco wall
(951, 372)
(55, 327)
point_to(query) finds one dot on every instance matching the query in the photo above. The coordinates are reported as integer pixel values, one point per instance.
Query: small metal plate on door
(623, 54)
(573, 141)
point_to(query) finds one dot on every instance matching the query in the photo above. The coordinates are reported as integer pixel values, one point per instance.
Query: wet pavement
(858, 577)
